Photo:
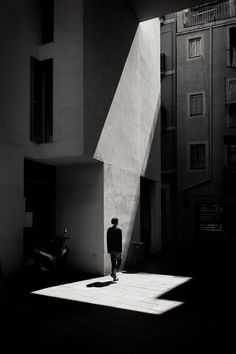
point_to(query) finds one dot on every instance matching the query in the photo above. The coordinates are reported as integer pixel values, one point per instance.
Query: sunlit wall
(126, 138)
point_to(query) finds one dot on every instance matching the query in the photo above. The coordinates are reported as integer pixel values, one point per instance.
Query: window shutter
(36, 126)
(231, 91)
(194, 47)
(198, 47)
(197, 157)
(196, 105)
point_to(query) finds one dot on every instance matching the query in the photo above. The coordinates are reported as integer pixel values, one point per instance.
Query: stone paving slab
(134, 291)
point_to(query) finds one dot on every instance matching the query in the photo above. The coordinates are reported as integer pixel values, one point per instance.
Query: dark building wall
(79, 207)
(109, 29)
(20, 36)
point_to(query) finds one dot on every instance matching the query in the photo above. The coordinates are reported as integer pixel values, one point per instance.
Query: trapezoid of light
(139, 292)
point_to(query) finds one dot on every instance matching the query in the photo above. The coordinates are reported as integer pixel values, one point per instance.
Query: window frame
(191, 38)
(228, 162)
(189, 144)
(228, 48)
(228, 80)
(189, 95)
(41, 101)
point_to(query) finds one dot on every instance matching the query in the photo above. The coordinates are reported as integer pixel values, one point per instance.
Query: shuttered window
(231, 90)
(194, 47)
(211, 217)
(232, 36)
(196, 104)
(197, 156)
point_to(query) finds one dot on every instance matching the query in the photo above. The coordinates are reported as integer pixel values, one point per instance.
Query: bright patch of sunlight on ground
(136, 292)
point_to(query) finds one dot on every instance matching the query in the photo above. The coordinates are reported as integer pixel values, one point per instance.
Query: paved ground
(166, 307)
(141, 292)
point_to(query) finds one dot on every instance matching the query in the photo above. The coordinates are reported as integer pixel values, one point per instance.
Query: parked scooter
(51, 258)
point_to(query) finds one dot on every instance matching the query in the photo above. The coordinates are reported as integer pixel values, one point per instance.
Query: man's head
(114, 221)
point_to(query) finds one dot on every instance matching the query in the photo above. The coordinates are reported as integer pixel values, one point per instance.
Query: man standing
(114, 247)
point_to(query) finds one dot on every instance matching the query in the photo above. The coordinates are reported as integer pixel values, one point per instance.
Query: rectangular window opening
(41, 123)
(197, 156)
(196, 105)
(231, 154)
(194, 47)
(211, 218)
(232, 35)
(232, 115)
(47, 18)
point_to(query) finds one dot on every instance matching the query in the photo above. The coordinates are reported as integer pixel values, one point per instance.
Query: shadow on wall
(131, 133)
(109, 30)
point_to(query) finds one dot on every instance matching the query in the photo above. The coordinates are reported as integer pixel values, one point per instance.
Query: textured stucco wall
(127, 136)
(192, 76)
(80, 208)
(67, 53)
(19, 28)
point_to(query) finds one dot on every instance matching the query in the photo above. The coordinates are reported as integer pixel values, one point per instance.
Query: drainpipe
(210, 119)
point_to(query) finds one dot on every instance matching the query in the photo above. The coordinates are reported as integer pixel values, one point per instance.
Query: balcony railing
(200, 15)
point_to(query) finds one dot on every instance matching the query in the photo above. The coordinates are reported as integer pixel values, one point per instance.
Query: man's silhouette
(114, 247)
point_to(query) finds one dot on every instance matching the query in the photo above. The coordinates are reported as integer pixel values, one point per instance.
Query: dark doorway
(39, 193)
(145, 213)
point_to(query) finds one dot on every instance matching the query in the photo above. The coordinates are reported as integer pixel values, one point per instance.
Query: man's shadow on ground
(99, 284)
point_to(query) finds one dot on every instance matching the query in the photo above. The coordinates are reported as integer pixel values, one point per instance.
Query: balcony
(199, 15)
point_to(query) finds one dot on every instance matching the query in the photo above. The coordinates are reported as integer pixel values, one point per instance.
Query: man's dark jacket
(114, 239)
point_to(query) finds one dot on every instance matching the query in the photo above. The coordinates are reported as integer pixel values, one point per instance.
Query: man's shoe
(114, 277)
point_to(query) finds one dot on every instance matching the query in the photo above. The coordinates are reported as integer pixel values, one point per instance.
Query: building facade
(168, 132)
(205, 134)
(80, 101)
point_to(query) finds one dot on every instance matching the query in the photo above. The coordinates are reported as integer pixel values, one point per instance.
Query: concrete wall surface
(67, 53)
(20, 29)
(127, 136)
(11, 209)
(79, 207)
(121, 199)
(109, 29)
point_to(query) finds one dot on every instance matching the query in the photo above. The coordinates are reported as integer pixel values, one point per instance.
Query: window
(194, 47)
(163, 117)
(231, 90)
(196, 104)
(232, 36)
(47, 18)
(41, 128)
(211, 217)
(231, 115)
(197, 156)
(163, 63)
(231, 154)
